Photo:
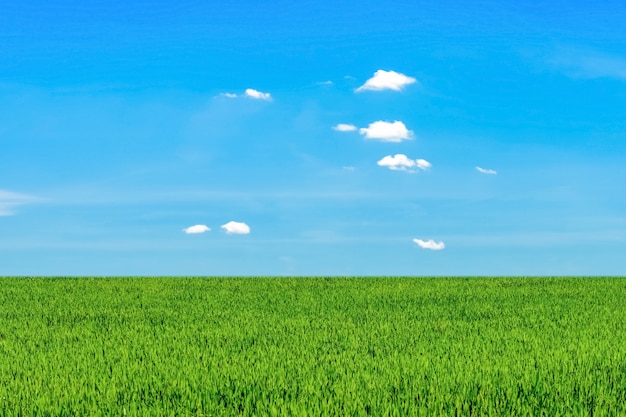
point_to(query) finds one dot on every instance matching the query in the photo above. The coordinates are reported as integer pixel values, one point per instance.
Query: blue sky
(122, 125)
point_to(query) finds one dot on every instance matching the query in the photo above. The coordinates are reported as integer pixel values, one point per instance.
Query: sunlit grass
(313, 346)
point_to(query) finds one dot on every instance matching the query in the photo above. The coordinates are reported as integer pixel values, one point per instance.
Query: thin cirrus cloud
(344, 127)
(10, 200)
(587, 63)
(386, 80)
(429, 244)
(196, 229)
(486, 171)
(236, 228)
(401, 162)
(387, 131)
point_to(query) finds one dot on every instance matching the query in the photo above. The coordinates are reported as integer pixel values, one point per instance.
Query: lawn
(313, 346)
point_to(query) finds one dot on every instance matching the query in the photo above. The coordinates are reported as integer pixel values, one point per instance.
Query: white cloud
(486, 171)
(343, 127)
(386, 131)
(257, 94)
(386, 80)
(198, 228)
(236, 228)
(10, 200)
(401, 162)
(349, 168)
(229, 95)
(328, 82)
(429, 244)
(423, 164)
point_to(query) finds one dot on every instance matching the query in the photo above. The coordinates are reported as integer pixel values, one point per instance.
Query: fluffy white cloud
(236, 228)
(386, 131)
(198, 228)
(423, 164)
(252, 93)
(429, 244)
(386, 80)
(401, 162)
(486, 171)
(343, 127)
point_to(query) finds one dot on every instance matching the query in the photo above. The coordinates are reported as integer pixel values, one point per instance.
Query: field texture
(313, 346)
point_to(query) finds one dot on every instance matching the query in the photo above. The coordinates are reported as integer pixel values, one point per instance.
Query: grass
(313, 346)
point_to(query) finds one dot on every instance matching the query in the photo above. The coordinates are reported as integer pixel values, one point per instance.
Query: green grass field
(313, 346)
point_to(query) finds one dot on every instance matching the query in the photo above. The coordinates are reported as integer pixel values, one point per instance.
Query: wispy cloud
(429, 244)
(386, 131)
(401, 162)
(252, 93)
(486, 171)
(198, 228)
(344, 127)
(236, 228)
(10, 200)
(229, 95)
(587, 63)
(386, 80)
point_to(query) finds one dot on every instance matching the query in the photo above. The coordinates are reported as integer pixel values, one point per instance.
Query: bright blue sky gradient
(115, 135)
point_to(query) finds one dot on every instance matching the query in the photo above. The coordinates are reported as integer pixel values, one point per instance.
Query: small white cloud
(328, 82)
(229, 95)
(343, 127)
(423, 164)
(401, 162)
(198, 228)
(349, 168)
(486, 171)
(257, 94)
(236, 228)
(386, 131)
(429, 244)
(386, 80)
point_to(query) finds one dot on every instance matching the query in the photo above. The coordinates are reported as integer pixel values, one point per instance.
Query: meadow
(313, 346)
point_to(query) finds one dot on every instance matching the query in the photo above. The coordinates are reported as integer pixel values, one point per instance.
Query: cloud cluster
(429, 244)
(250, 93)
(401, 162)
(386, 80)
(486, 171)
(231, 228)
(387, 131)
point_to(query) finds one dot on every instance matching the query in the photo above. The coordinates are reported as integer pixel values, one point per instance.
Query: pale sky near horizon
(312, 138)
